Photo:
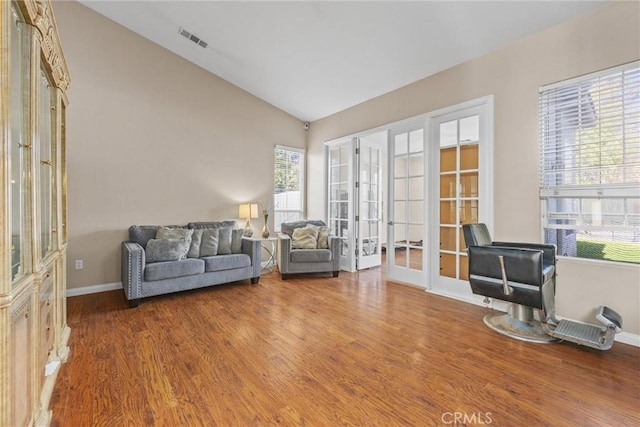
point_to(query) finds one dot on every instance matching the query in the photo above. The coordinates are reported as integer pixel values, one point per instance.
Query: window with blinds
(589, 135)
(288, 197)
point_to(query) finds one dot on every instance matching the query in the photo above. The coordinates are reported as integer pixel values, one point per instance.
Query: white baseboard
(85, 290)
(622, 337)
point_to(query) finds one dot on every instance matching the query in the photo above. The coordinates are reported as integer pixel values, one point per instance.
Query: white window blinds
(288, 198)
(589, 135)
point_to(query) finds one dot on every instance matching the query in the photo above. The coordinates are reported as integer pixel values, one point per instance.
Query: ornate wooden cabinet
(33, 325)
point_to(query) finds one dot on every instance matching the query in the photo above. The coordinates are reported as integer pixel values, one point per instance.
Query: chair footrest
(581, 333)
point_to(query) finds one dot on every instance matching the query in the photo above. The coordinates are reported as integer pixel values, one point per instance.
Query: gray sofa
(321, 257)
(154, 266)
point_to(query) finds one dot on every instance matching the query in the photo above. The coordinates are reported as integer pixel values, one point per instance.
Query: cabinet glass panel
(469, 184)
(448, 159)
(448, 265)
(447, 212)
(447, 186)
(18, 146)
(63, 170)
(469, 157)
(448, 238)
(468, 211)
(46, 164)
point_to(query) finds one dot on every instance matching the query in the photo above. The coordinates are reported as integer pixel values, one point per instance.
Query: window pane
(288, 199)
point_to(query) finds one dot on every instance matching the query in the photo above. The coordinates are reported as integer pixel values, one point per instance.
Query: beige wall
(604, 38)
(154, 139)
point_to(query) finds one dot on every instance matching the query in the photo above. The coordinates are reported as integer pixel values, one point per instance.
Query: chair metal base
(529, 330)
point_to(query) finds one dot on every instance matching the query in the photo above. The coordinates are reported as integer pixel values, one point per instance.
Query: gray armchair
(314, 260)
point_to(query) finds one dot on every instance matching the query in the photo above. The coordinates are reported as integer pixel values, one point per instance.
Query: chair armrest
(253, 248)
(522, 265)
(282, 252)
(133, 262)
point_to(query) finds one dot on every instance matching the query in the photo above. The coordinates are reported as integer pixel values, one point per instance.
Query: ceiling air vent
(197, 40)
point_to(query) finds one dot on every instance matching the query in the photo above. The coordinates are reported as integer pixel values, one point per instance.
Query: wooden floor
(319, 351)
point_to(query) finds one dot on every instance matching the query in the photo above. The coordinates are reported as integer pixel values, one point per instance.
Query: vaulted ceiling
(315, 58)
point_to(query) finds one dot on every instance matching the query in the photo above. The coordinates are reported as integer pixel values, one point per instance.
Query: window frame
(580, 196)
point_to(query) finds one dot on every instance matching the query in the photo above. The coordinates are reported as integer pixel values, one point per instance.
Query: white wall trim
(94, 289)
(622, 337)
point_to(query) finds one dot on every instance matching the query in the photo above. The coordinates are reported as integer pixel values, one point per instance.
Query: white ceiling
(315, 58)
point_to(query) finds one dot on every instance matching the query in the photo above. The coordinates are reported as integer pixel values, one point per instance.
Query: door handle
(390, 223)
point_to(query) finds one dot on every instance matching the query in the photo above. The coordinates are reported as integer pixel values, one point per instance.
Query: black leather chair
(524, 274)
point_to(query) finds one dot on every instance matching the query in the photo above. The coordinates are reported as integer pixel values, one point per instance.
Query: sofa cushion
(310, 255)
(196, 240)
(236, 241)
(224, 240)
(213, 224)
(159, 250)
(305, 238)
(209, 244)
(141, 234)
(288, 227)
(174, 233)
(173, 269)
(226, 262)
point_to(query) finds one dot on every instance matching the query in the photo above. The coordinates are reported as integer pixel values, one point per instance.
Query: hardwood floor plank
(322, 351)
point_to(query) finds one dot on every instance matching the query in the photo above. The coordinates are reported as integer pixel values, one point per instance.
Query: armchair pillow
(323, 237)
(305, 238)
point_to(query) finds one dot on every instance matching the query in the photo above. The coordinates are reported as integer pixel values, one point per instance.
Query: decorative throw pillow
(209, 243)
(224, 241)
(159, 250)
(196, 241)
(174, 233)
(323, 237)
(305, 238)
(236, 241)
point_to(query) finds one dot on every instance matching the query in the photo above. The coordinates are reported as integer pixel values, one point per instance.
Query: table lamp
(248, 211)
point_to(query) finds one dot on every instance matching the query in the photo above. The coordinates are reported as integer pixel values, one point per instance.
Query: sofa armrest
(283, 251)
(133, 262)
(334, 246)
(253, 248)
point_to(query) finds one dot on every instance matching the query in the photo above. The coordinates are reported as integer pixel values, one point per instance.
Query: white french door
(407, 194)
(341, 157)
(355, 200)
(369, 207)
(461, 156)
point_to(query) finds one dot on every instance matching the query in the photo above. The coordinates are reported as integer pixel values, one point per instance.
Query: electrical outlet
(79, 264)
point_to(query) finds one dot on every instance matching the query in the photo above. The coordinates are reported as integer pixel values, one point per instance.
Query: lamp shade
(248, 210)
